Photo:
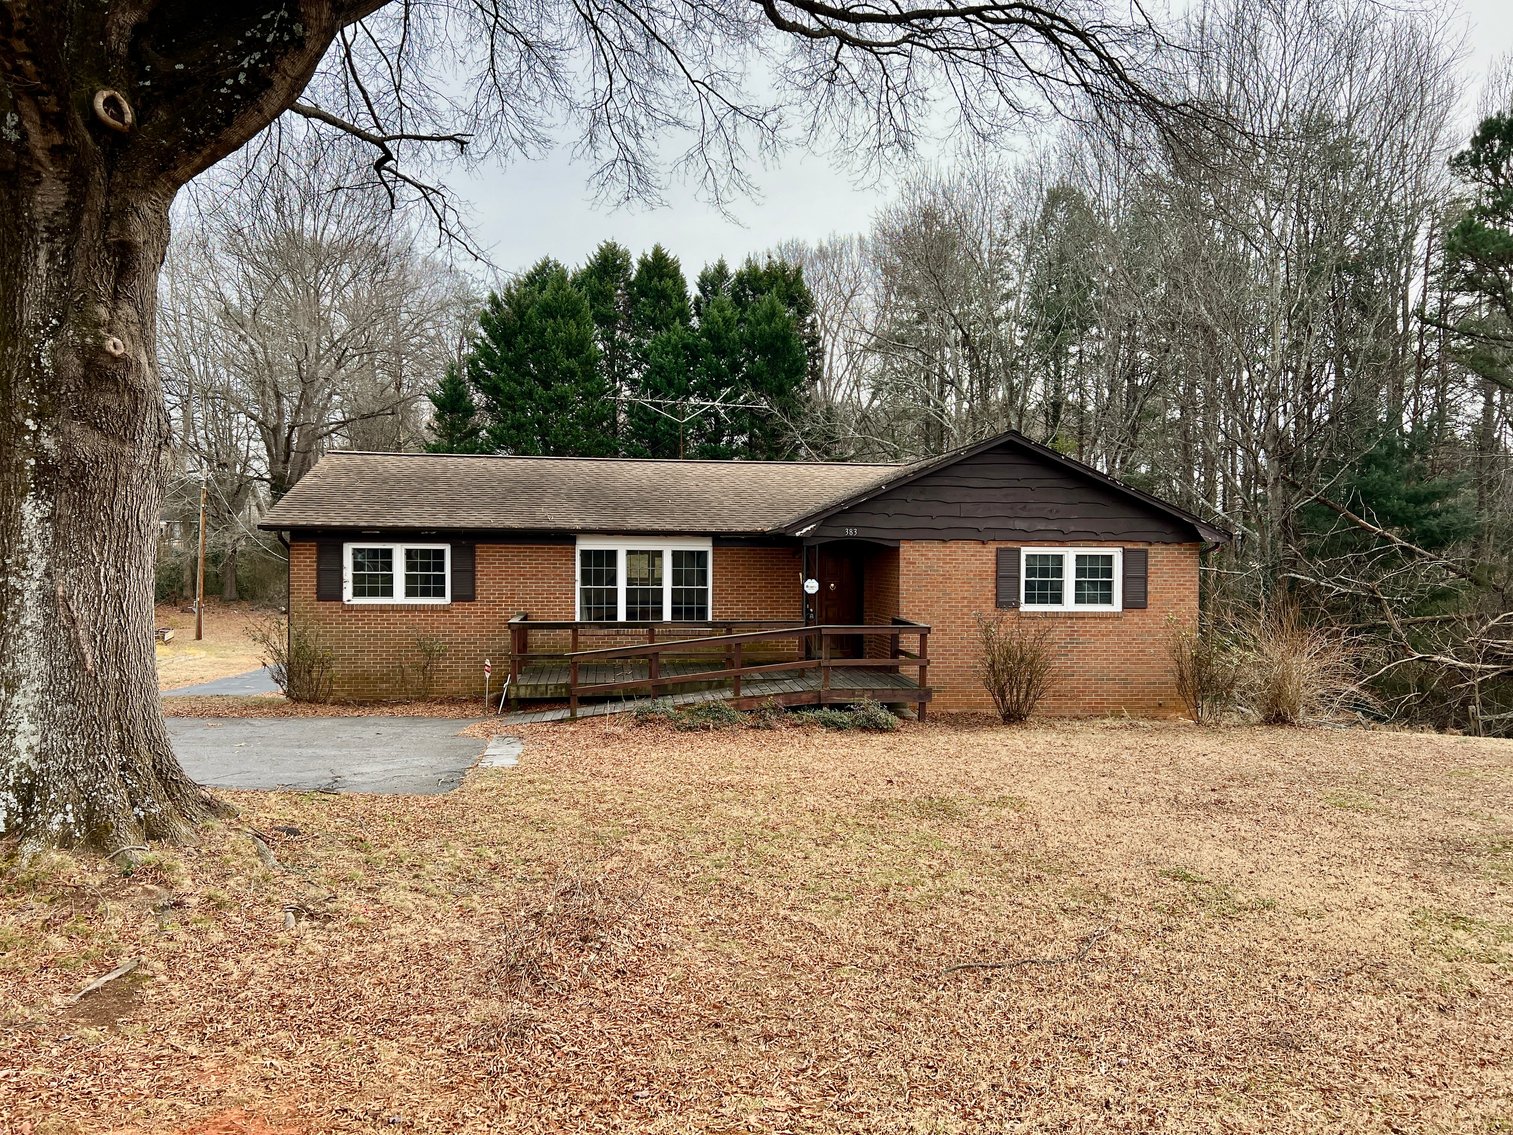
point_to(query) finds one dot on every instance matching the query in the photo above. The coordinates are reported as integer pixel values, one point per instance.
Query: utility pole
(199, 586)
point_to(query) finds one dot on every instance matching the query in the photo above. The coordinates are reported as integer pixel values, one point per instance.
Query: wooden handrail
(727, 650)
(737, 672)
(612, 625)
(825, 630)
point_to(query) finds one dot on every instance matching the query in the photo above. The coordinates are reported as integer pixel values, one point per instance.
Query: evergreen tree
(454, 420)
(659, 314)
(777, 364)
(1479, 257)
(1479, 246)
(605, 281)
(719, 375)
(536, 367)
(785, 281)
(713, 281)
(660, 430)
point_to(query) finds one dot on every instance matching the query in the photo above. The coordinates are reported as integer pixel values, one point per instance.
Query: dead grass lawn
(225, 650)
(1200, 930)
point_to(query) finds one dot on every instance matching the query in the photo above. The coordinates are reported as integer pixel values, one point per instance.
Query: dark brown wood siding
(1004, 493)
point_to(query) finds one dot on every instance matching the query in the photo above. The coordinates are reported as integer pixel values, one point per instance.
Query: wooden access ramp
(736, 667)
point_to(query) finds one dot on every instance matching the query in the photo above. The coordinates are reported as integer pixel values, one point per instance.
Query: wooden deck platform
(548, 681)
(810, 664)
(794, 687)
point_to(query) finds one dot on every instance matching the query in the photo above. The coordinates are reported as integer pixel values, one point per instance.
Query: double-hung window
(643, 581)
(1071, 579)
(397, 573)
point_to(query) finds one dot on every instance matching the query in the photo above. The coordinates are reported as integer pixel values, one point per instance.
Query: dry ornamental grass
(644, 930)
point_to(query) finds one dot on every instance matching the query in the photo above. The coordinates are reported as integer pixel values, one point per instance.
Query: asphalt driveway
(258, 681)
(341, 754)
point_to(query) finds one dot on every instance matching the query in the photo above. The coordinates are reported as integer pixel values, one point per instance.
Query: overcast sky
(528, 210)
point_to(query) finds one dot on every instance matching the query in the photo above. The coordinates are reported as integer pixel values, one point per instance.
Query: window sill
(396, 602)
(1068, 613)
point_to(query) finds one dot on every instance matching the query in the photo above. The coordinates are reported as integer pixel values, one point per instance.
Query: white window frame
(1068, 582)
(398, 573)
(667, 545)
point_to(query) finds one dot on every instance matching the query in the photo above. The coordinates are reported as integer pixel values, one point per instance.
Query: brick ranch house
(589, 578)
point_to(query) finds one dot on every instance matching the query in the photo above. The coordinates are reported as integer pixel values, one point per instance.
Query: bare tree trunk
(228, 575)
(85, 759)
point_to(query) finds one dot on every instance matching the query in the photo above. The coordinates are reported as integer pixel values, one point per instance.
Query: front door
(840, 597)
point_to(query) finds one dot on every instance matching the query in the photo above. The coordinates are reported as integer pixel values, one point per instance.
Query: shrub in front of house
(1205, 667)
(706, 717)
(869, 716)
(1014, 661)
(418, 679)
(298, 661)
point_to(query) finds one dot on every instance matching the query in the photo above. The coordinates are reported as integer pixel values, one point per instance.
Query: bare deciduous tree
(107, 110)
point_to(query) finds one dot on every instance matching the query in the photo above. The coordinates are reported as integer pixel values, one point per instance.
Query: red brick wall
(371, 642)
(880, 599)
(758, 583)
(1106, 663)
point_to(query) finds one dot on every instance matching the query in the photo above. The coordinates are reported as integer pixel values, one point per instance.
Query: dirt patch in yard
(644, 930)
(225, 651)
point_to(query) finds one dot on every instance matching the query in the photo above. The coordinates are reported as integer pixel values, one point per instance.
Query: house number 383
(848, 531)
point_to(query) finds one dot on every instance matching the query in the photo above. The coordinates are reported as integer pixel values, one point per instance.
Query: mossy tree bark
(106, 110)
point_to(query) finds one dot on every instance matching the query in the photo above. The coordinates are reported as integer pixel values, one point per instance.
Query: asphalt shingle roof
(566, 494)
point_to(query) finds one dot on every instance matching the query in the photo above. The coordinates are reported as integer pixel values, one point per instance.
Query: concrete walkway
(257, 681)
(339, 754)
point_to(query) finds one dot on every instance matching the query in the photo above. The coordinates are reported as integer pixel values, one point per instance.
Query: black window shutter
(1136, 578)
(328, 569)
(464, 574)
(1008, 577)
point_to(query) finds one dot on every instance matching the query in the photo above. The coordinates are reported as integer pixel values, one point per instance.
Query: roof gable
(1006, 487)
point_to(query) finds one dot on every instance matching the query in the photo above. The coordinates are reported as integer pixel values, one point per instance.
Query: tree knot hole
(112, 109)
(114, 347)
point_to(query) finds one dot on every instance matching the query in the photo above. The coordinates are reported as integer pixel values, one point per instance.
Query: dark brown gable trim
(464, 573)
(328, 569)
(896, 505)
(1136, 578)
(1008, 577)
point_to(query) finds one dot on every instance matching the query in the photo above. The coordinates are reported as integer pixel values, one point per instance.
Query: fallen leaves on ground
(1233, 929)
(276, 705)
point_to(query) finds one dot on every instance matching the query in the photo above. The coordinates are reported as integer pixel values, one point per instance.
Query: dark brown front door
(840, 598)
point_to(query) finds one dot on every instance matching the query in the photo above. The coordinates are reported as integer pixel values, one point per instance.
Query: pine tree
(536, 367)
(713, 281)
(719, 375)
(777, 365)
(605, 282)
(755, 352)
(454, 419)
(786, 281)
(659, 323)
(666, 380)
